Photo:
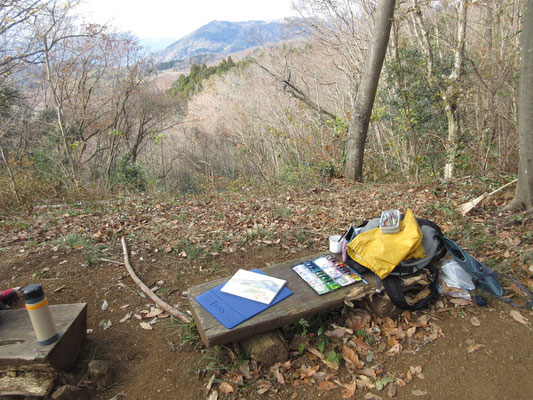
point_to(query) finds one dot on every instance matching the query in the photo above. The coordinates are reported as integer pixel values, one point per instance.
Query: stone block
(27, 368)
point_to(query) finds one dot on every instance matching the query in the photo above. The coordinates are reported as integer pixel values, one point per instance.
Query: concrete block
(27, 368)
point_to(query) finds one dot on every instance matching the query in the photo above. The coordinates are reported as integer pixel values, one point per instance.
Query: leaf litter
(227, 222)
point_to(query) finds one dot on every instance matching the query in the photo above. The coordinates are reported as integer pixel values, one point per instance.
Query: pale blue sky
(177, 18)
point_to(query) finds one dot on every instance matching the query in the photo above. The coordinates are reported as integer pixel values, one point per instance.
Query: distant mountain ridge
(220, 38)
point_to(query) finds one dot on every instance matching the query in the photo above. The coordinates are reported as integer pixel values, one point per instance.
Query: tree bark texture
(267, 348)
(451, 93)
(523, 198)
(360, 118)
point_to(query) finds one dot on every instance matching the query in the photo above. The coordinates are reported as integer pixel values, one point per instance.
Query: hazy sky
(177, 18)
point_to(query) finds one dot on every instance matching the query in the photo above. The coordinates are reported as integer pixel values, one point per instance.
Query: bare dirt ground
(452, 351)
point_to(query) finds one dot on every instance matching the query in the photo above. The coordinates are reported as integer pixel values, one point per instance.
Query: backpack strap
(528, 304)
(393, 286)
(441, 250)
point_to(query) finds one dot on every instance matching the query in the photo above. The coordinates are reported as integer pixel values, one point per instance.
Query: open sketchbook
(254, 286)
(231, 310)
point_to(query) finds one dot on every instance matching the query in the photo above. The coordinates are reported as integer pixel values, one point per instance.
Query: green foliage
(76, 242)
(8, 97)
(411, 107)
(303, 176)
(128, 175)
(187, 85)
(188, 331)
(304, 325)
(328, 169)
(192, 249)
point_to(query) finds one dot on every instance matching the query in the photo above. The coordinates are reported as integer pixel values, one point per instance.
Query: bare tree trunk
(59, 110)
(360, 118)
(11, 176)
(449, 86)
(449, 97)
(523, 198)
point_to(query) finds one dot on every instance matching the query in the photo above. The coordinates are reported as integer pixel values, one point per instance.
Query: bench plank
(304, 302)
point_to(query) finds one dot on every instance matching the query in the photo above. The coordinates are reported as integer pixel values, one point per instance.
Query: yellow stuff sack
(382, 252)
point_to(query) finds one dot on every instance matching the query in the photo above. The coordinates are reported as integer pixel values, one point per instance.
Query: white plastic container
(335, 244)
(390, 221)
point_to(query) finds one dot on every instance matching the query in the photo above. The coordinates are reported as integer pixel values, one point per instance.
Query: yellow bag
(382, 252)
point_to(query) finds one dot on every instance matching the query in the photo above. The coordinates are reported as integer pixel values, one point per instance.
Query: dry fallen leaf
(263, 386)
(392, 341)
(396, 349)
(308, 372)
(316, 352)
(372, 396)
(393, 389)
(326, 386)
(237, 379)
(474, 321)
(349, 390)
(245, 370)
(422, 320)
(474, 347)
(419, 392)
(226, 388)
(126, 317)
(416, 371)
(213, 395)
(351, 356)
(146, 325)
(153, 313)
(332, 364)
(357, 319)
(364, 381)
(461, 302)
(519, 317)
(409, 375)
(277, 374)
(411, 331)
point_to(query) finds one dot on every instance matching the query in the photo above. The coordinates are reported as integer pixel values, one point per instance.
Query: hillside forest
(81, 113)
(248, 162)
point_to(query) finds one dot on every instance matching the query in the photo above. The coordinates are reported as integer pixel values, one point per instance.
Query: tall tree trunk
(449, 86)
(360, 118)
(59, 111)
(523, 197)
(11, 176)
(449, 97)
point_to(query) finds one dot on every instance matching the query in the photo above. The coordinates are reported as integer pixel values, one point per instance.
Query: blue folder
(231, 310)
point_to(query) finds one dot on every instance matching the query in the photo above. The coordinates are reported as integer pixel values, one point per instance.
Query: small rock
(101, 373)
(70, 392)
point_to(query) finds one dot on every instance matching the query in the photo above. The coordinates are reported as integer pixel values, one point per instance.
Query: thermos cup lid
(33, 291)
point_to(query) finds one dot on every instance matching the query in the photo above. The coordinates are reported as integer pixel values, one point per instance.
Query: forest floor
(454, 350)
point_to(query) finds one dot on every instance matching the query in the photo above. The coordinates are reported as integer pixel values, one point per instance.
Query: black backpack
(434, 247)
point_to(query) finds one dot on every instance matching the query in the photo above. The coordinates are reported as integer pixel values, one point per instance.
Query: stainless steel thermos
(40, 315)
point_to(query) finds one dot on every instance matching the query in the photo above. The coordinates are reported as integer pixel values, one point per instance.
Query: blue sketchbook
(231, 310)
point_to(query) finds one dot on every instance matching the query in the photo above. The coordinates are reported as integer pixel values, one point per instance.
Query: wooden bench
(303, 303)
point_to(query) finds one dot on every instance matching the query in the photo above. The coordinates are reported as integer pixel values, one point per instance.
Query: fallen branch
(168, 308)
(111, 261)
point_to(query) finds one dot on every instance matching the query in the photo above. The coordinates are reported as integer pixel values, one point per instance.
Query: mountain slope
(223, 37)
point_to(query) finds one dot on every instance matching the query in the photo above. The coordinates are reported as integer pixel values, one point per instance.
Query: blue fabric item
(483, 276)
(480, 300)
(231, 310)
